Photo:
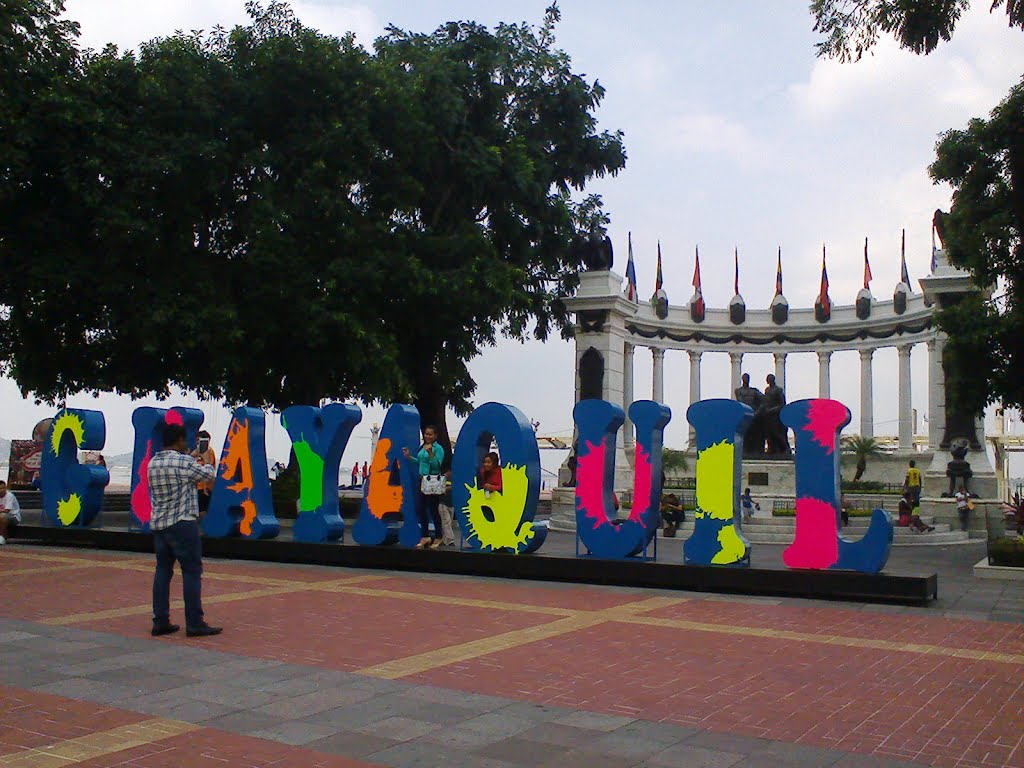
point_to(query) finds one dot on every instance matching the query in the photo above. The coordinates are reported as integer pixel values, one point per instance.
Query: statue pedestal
(983, 482)
(769, 477)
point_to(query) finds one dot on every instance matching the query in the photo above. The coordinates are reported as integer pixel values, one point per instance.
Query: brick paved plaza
(333, 667)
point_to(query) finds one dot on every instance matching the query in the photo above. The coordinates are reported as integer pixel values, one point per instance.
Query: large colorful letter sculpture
(716, 540)
(597, 423)
(392, 490)
(319, 437)
(816, 425)
(73, 492)
(241, 500)
(498, 520)
(149, 440)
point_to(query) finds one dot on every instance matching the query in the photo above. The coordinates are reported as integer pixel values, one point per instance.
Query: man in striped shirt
(173, 474)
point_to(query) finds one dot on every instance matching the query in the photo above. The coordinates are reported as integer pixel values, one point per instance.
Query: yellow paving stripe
(95, 745)
(143, 609)
(43, 569)
(810, 637)
(442, 657)
(467, 602)
(146, 566)
(626, 613)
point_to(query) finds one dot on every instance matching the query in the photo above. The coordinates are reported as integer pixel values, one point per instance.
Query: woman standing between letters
(429, 460)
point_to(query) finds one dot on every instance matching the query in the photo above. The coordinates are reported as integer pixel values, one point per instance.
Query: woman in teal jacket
(429, 460)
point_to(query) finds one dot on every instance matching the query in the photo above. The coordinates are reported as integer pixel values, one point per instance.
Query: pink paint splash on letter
(816, 544)
(141, 505)
(590, 484)
(642, 479)
(824, 417)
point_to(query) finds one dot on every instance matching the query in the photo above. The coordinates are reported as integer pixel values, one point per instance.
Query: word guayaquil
(241, 503)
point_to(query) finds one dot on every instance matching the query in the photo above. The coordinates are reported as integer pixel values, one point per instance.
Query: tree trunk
(862, 465)
(432, 403)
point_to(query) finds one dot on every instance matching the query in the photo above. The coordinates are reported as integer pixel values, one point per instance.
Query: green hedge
(1006, 551)
(285, 491)
(873, 486)
(792, 513)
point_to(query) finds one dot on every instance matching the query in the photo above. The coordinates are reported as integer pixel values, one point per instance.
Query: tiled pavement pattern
(333, 667)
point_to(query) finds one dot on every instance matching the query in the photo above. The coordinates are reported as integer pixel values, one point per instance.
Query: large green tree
(487, 136)
(984, 233)
(984, 163)
(272, 215)
(214, 231)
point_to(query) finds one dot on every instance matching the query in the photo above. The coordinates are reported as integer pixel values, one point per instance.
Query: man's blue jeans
(180, 542)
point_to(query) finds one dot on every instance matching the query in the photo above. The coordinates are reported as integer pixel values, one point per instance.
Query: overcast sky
(737, 136)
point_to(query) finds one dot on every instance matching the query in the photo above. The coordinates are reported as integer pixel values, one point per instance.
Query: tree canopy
(984, 164)
(273, 215)
(852, 27)
(984, 233)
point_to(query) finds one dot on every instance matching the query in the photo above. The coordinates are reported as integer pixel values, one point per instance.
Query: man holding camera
(173, 476)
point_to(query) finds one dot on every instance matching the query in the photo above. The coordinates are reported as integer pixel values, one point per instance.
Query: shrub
(862, 485)
(792, 512)
(1007, 551)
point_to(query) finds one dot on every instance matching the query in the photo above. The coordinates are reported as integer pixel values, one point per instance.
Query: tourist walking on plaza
(912, 484)
(10, 512)
(173, 475)
(355, 475)
(748, 505)
(428, 462)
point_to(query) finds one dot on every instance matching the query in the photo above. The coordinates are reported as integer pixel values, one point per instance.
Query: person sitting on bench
(673, 514)
(10, 512)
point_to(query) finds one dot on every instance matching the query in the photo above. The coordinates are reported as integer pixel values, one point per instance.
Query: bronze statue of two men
(766, 436)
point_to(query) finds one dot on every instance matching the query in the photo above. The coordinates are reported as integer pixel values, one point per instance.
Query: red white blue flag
(867, 266)
(630, 272)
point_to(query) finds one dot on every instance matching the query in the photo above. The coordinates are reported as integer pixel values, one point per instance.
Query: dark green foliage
(674, 460)
(852, 27)
(860, 449)
(274, 216)
(985, 165)
(865, 485)
(1006, 551)
(791, 512)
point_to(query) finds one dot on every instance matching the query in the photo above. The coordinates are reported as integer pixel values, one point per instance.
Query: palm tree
(861, 448)
(672, 459)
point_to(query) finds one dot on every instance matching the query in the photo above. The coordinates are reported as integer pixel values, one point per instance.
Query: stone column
(694, 389)
(824, 373)
(936, 393)
(780, 369)
(867, 398)
(658, 394)
(906, 416)
(736, 363)
(627, 394)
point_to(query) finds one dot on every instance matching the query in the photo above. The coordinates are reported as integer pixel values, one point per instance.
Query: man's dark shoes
(205, 630)
(164, 629)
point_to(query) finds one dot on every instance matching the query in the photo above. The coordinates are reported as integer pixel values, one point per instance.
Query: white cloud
(708, 133)
(962, 78)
